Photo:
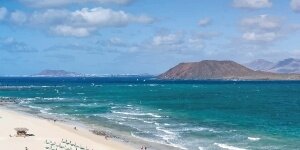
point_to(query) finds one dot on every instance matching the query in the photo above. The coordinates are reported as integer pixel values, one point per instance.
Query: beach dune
(43, 130)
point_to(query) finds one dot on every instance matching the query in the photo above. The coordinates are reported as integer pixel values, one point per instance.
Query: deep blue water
(186, 114)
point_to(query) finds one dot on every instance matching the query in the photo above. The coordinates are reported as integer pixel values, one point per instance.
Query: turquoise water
(191, 115)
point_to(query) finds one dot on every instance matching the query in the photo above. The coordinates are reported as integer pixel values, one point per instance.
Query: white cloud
(263, 22)
(263, 29)
(252, 4)
(58, 3)
(18, 17)
(65, 30)
(204, 22)
(3, 13)
(261, 33)
(106, 17)
(78, 23)
(295, 4)
(260, 37)
(179, 42)
(167, 39)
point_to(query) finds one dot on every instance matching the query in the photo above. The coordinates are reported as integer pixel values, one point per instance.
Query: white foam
(165, 130)
(54, 98)
(195, 129)
(253, 138)
(156, 116)
(29, 99)
(137, 114)
(34, 107)
(121, 123)
(200, 148)
(149, 122)
(160, 142)
(224, 146)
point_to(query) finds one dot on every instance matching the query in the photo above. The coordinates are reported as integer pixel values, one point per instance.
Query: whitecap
(149, 122)
(54, 98)
(137, 114)
(200, 148)
(34, 107)
(253, 138)
(165, 130)
(156, 116)
(224, 146)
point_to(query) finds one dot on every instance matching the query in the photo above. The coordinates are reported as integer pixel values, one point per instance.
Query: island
(221, 70)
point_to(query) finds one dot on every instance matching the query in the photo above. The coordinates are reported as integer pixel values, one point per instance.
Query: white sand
(44, 129)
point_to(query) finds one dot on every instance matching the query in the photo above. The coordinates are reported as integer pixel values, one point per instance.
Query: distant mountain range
(63, 73)
(289, 66)
(223, 70)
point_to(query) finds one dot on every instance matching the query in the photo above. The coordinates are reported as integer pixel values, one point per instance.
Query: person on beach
(75, 128)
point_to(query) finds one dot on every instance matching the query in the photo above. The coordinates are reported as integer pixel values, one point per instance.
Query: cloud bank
(78, 23)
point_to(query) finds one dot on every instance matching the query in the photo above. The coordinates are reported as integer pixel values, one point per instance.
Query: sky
(142, 36)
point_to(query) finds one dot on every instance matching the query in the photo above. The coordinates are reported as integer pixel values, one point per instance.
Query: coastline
(104, 137)
(43, 130)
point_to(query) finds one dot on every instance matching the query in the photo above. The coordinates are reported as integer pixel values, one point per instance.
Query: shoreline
(111, 138)
(43, 130)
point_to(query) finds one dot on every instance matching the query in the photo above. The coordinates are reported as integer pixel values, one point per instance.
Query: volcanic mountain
(289, 65)
(223, 70)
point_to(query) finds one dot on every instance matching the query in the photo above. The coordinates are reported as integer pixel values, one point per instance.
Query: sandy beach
(44, 130)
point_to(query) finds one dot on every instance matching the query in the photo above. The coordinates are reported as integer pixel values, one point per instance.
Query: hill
(224, 70)
(57, 73)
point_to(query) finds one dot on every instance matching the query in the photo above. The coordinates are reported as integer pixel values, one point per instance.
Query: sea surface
(193, 115)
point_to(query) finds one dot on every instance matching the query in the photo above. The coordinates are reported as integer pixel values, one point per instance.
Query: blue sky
(142, 36)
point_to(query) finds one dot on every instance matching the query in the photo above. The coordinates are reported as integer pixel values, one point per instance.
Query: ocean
(193, 115)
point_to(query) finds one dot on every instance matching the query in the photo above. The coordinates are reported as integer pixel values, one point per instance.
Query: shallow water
(192, 115)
